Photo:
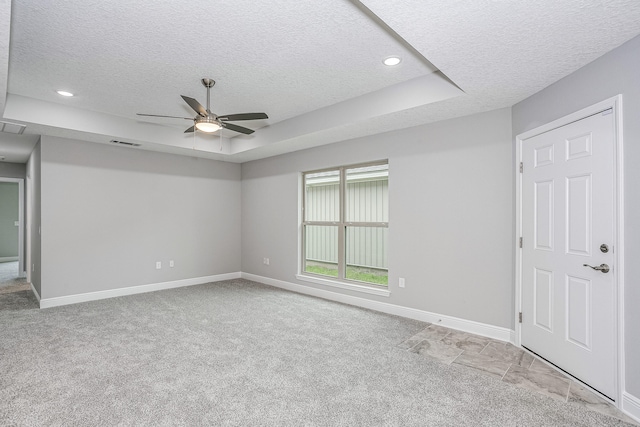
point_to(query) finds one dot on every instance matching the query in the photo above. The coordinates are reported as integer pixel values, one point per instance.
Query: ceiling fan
(206, 121)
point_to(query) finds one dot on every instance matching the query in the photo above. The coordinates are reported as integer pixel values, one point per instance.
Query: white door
(568, 193)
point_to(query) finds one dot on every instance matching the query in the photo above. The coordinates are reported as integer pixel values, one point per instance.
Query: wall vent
(128, 144)
(14, 128)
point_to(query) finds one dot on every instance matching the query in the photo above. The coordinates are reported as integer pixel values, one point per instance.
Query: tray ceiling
(314, 67)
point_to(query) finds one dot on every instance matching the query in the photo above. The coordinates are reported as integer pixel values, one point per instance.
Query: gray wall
(450, 219)
(34, 254)
(109, 213)
(617, 72)
(8, 217)
(12, 170)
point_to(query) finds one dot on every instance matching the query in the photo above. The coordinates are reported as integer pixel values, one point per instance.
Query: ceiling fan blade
(197, 107)
(169, 117)
(237, 128)
(244, 116)
(191, 129)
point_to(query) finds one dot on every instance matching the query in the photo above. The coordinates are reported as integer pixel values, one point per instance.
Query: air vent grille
(128, 144)
(14, 128)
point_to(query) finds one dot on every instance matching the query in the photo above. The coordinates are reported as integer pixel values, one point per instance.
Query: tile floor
(507, 362)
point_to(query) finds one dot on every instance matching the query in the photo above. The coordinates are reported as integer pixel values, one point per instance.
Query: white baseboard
(495, 332)
(35, 292)
(8, 258)
(111, 293)
(631, 405)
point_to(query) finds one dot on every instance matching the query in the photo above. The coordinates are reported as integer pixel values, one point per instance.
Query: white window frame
(341, 281)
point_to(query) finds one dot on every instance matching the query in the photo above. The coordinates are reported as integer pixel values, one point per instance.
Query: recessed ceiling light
(392, 60)
(64, 93)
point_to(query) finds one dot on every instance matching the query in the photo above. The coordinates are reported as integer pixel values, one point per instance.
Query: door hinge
(520, 242)
(520, 317)
(521, 167)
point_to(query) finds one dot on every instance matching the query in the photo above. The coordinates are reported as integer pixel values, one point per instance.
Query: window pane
(322, 196)
(366, 251)
(367, 198)
(321, 250)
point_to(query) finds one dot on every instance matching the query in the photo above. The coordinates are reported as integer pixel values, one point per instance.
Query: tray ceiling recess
(315, 68)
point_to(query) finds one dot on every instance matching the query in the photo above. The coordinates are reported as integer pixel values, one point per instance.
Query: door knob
(602, 267)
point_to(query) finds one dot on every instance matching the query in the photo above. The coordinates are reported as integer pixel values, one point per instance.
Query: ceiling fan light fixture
(207, 124)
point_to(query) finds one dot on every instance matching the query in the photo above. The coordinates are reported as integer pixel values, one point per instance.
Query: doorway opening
(12, 253)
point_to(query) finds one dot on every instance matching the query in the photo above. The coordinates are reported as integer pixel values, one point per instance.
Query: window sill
(342, 285)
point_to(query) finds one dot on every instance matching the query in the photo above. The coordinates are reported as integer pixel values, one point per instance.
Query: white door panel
(567, 213)
(543, 299)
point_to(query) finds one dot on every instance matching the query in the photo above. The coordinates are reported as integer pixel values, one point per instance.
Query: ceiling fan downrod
(208, 83)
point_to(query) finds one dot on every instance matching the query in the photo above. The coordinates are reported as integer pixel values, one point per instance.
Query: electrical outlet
(171, 264)
(158, 265)
(401, 282)
(265, 261)
(33, 267)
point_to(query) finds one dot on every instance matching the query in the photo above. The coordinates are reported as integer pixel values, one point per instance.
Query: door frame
(21, 219)
(614, 103)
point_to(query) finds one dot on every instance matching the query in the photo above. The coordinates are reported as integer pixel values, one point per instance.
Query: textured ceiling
(507, 50)
(283, 57)
(314, 67)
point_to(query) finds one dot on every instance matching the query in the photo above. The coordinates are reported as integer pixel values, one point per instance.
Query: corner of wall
(33, 215)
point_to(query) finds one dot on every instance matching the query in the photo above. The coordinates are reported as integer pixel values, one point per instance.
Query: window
(345, 223)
